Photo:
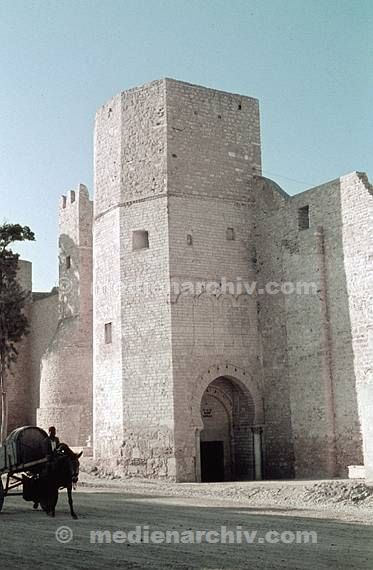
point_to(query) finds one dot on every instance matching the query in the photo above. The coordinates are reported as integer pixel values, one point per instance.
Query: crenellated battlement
(75, 198)
(75, 216)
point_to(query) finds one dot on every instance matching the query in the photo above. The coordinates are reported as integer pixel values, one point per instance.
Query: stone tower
(228, 330)
(66, 367)
(177, 366)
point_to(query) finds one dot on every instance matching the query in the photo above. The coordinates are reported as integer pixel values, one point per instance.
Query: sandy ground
(341, 513)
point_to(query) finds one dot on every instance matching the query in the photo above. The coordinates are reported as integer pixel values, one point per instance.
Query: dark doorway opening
(212, 461)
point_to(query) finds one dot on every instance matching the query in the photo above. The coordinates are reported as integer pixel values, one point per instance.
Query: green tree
(13, 321)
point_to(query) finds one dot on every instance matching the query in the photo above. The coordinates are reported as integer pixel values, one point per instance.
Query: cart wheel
(2, 494)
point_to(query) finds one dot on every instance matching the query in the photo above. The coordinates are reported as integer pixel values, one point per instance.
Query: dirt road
(28, 538)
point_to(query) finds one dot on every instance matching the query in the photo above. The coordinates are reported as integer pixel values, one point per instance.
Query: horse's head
(73, 458)
(75, 466)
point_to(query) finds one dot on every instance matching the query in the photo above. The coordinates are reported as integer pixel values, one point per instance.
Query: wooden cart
(22, 458)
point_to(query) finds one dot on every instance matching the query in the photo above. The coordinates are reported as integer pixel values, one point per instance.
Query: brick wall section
(213, 147)
(19, 376)
(146, 338)
(309, 330)
(44, 320)
(133, 376)
(357, 236)
(24, 379)
(66, 373)
(270, 221)
(213, 142)
(108, 383)
(311, 338)
(158, 121)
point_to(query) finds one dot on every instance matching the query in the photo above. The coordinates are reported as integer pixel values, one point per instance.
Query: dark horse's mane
(64, 449)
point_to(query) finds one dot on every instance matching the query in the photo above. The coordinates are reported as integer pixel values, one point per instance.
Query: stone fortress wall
(173, 381)
(66, 365)
(321, 344)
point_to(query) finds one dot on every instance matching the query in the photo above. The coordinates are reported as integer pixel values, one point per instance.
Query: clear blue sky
(310, 62)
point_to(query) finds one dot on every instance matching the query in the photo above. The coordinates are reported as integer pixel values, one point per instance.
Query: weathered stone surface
(183, 354)
(66, 366)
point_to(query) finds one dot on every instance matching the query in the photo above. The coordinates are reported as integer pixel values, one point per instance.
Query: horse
(61, 472)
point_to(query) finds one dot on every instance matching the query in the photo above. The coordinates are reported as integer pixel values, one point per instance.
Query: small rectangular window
(68, 262)
(304, 218)
(108, 333)
(189, 239)
(140, 240)
(230, 234)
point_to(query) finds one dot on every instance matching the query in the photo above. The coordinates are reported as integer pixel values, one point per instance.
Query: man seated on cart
(52, 442)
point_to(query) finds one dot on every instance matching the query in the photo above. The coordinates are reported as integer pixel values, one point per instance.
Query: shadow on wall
(66, 370)
(69, 281)
(312, 359)
(322, 365)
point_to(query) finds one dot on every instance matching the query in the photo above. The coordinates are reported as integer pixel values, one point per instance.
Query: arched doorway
(215, 438)
(230, 443)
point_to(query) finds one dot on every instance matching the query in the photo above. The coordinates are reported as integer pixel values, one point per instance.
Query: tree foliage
(10, 233)
(13, 321)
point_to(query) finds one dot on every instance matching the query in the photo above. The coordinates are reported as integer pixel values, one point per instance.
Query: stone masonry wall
(66, 373)
(108, 385)
(44, 321)
(213, 147)
(24, 377)
(308, 337)
(320, 339)
(133, 373)
(357, 236)
(181, 164)
(18, 378)
(270, 220)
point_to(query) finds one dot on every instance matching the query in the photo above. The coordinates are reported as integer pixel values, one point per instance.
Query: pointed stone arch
(230, 444)
(239, 375)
